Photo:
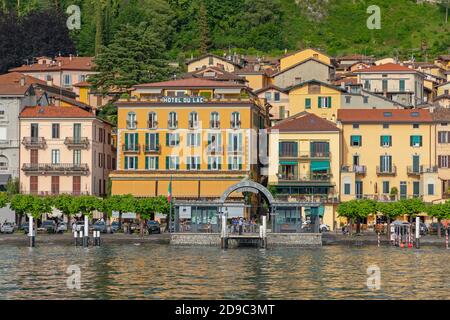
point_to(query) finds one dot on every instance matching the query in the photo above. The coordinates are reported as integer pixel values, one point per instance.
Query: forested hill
(266, 27)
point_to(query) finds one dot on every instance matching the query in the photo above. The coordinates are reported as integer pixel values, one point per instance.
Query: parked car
(25, 227)
(7, 227)
(79, 225)
(433, 228)
(49, 226)
(153, 227)
(62, 227)
(100, 225)
(114, 226)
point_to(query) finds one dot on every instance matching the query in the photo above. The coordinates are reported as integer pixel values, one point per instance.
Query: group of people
(241, 225)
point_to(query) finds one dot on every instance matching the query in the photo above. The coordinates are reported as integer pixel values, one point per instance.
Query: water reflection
(165, 272)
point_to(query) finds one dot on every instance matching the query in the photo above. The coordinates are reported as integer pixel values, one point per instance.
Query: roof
(445, 57)
(82, 84)
(55, 112)
(220, 74)
(212, 55)
(58, 64)
(442, 96)
(190, 83)
(14, 89)
(444, 84)
(269, 87)
(300, 63)
(388, 67)
(300, 50)
(384, 115)
(304, 122)
(74, 102)
(441, 114)
(338, 88)
(346, 81)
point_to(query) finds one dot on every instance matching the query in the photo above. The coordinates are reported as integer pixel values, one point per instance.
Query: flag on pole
(169, 191)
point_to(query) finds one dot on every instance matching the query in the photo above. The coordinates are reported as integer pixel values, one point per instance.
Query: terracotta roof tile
(384, 115)
(388, 67)
(303, 122)
(60, 63)
(190, 83)
(55, 112)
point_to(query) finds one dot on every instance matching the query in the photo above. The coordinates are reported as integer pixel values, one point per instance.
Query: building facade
(64, 150)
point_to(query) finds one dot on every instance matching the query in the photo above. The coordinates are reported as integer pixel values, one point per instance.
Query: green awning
(320, 165)
(289, 162)
(315, 211)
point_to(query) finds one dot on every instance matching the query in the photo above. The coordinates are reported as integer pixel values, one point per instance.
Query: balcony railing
(354, 169)
(387, 197)
(313, 177)
(63, 168)
(193, 124)
(131, 124)
(152, 124)
(306, 155)
(76, 143)
(212, 149)
(386, 171)
(34, 142)
(235, 124)
(133, 148)
(152, 149)
(214, 124)
(418, 170)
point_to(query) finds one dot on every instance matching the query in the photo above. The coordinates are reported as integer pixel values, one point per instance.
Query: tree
(203, 28)
(439, 211)
(67, 204)
(365, 208)
(12, 186)
(136, 55)
(348, 210)
(413, 207)
(144, 207)
(98, 26)
(120, 204)
(4, 200)
(21, 204)
(390, 210)
(88, 204)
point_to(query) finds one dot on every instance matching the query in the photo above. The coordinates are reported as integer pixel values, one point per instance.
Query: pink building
(64, 150)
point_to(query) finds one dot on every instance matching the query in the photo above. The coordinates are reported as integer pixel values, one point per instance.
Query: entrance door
(416, 164)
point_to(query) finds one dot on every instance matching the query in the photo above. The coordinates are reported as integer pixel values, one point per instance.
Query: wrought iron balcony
(306, 154)
(152, 124)
(193, 124)
(152, 149)
(76, 142)
(312, 177)
(131, 124)
(418, 170)
(132, 148)
(214, 148)
(214, 124)
(34, 142)
(235, 124)
(61, 168)
(354, 169)
(387, 171)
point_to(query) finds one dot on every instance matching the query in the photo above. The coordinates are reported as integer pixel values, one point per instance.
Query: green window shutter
(167, 139)
(308, 103)
(229, 163)
(319, 102)
(329, 102)
(147, 139)
(209, 138)
(219, 163)
(167, 163)
(136, 163)
(157, 138)
(209, 163)
(177, 163)
(136, 139)
(126, 163)
(240, 142)
(410, 141)
(177, 138)
(279, 149)
(126, 139)
(420, 140)
(146, 162)
(360, 140)
(157, 163)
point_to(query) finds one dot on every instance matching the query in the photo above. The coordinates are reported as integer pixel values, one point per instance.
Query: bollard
(378, 238)
(80, 235)
(98, 239)
(75, 236)
(446, 239)
(417, 232)
(86, 232)
(31, 232)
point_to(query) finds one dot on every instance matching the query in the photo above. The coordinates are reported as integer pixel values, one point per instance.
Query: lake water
(166, 272)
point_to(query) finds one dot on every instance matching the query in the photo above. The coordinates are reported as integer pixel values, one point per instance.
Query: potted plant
(394, 192)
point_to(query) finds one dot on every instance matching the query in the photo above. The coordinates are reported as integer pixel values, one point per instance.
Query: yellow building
(443, 95)
(304, 163)
(302, 55)
(200, 133)
(210, 60)
(316, 97)
(388, 155)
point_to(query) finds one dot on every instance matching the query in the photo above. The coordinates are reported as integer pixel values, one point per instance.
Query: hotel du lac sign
(184, 99)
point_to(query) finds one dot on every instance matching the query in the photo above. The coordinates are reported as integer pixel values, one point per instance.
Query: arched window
(193, 120)
(235, 120)
(131, 120)
(173, 120)
(152, 120)
(215, 120)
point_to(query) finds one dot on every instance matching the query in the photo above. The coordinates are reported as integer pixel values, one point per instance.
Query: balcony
(59, 168)
(213, 124)
(76, 143)
(193, 124)
(418, 170)
(386, 171)
(152, 149)
(132, 148)
(214, 149)
(131, 124)
(361, 170)
(152, 124)
(306, 155)
(312, 177)
(235, 124)
(34, 142)
(172, 124)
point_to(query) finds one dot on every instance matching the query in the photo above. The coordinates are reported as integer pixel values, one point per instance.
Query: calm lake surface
(164, 272)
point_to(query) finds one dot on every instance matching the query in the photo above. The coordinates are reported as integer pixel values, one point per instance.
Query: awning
(291, 162)
(320, 165)
(4, 179)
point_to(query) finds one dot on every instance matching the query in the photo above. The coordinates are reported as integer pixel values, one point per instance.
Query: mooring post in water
(446, 238)
(417, 233)
(31, 232)
(75, 236)
(264, 231)
(378, 238)
(86, 232)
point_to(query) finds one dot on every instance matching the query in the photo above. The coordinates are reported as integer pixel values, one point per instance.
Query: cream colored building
(302, 55)
(211, 60)
(64, 150)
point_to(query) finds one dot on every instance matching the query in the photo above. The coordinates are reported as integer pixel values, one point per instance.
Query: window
(386, 189)
(324, 102)
(193, 120)
(443, 136)
(193, 139)
(214, 142)
(76, 157)
(101, 135)
(268, 96)
(356, 141)
(415, 141)
(67, 80)
(131, 142)
(347, 188)
(151, 141)
(152, 121)
(33, 184)
(172, 163)
(367, 84)
(81, 78)
(151, 163)
(355, 126)
(3, 163)
(443, 161)
(276, 96)
(307, 103)
(348, 99)
(34, 156)
(214, 163)
(385, 125)
(77, 132)
(131, 120)
(235, 120)
(172, 139)
(131, 163)
(384, 84)
(76, 185)
(430, 188)
(416, 126)
(173, 120)
(55, 130)
(3, 133)
(235, 163)
(55, 156)
(386, 141)
(55, 185)
(288, 149)
(214, 120)
(401, 85)
(366, 99)
(235, 142)
(386, 164)
(416, 188)
(193, 163)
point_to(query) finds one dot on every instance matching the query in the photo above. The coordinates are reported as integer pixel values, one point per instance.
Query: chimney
(22, 81)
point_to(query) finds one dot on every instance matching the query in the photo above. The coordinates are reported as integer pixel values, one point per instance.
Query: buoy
(402, 245)
(410, 245)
